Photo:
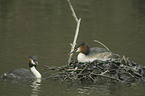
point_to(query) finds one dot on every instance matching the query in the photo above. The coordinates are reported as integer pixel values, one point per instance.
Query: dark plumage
(18, 74)
(24, 74)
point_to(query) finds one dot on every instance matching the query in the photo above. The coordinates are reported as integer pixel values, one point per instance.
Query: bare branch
(77, 30)
(72, 9)
(75, 39)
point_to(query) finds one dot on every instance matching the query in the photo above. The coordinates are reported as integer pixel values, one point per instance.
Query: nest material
(122, 70)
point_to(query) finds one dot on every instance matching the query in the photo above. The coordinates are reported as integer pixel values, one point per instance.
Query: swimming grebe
(88, 54)
(24, 73)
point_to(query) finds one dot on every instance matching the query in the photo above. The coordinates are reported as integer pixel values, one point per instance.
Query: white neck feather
(35, 72)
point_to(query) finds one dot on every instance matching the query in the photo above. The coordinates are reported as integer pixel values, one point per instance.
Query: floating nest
(122, 70)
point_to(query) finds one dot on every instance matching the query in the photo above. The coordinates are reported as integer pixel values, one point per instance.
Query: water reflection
(35, 85)
(93, 90)
(99, 89)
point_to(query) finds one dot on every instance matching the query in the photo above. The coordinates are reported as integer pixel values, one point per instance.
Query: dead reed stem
(102, 44)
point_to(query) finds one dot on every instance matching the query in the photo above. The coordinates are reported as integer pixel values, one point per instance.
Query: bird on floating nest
(88, 54)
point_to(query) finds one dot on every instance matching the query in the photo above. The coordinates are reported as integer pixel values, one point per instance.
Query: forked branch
(77, 30)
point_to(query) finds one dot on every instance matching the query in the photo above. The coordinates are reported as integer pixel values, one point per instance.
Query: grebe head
(83, 48)
(32, 64)
(23, 74)
(33, 61)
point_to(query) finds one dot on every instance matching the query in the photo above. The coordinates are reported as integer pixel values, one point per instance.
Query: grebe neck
(35, 72)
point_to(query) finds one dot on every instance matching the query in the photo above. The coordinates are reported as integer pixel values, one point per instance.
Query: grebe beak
(72, 51)
(36, 62)
(75, 50)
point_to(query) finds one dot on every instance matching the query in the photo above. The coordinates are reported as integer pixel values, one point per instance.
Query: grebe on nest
(88, 54)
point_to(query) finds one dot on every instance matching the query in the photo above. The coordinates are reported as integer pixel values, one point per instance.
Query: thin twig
(124, 59)
(80, 72)
(131, 75)
(68, 76)
(72, 9)
(102, 44)
(107, 77)
(104, 72)
(91, 76)
(138, 74)
(74, 69)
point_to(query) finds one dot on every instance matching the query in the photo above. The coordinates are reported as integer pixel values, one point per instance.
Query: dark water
(46, 28)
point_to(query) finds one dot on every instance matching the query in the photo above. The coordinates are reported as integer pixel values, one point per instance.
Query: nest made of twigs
(122, 70)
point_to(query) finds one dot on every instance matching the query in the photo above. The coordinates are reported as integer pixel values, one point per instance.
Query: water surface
(46, 28)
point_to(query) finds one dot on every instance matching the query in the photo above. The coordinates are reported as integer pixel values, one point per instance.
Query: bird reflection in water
(36, 87)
